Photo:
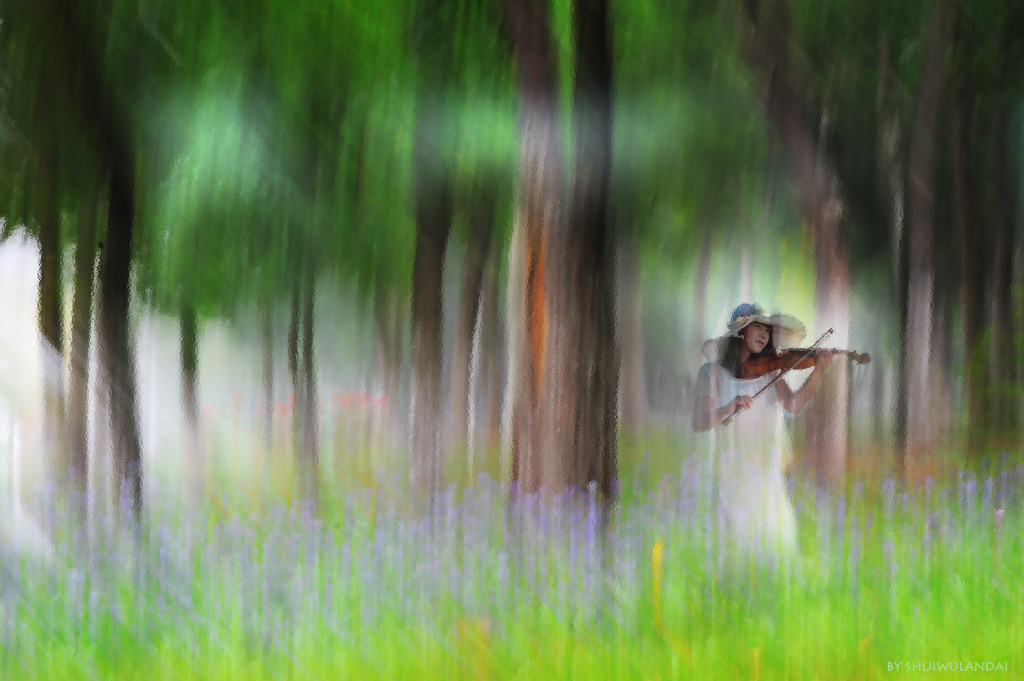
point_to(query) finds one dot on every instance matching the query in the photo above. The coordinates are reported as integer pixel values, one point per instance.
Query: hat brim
(787, 332)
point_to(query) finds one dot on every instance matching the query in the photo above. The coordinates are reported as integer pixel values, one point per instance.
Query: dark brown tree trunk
(917, 351)
(480, 230)
(1003, 366)
(539, 213)
(631, 372)
(893, 171)
(434, 198)
(190, 395)
(308, 407)
(81, 326)
(971, 268)
(587, 432)
(50, 321)
(118, 362)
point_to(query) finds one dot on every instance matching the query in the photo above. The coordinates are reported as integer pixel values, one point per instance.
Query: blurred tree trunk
(293, 336)
(586, 371)
(796, 128)
(892, 169)
(267, 338)
(700, 288)
(917, 350)
(828, 412)
(433, 193)
(81, 326)
(481, 227)
(50, 315)
(118, 363)
(539, 208)
(489, 331)
(307, 406)
(387, 321)
(190, 397)
(434, 198)
(972, 290)
(633, 391)
(1003, 365)
(77, 44)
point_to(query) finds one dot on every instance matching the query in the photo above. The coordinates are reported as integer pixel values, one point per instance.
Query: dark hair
(731, 353)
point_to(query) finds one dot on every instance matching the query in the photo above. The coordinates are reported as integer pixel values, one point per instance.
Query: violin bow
(728, 419)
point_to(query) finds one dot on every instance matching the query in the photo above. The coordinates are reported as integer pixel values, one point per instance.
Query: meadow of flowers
(536, 589)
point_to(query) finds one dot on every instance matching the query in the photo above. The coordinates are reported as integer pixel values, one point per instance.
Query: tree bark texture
(540, 211)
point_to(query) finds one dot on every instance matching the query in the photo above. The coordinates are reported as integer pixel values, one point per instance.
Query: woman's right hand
(741, 402)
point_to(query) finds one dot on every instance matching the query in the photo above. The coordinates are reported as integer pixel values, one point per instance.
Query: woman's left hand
(825, 360)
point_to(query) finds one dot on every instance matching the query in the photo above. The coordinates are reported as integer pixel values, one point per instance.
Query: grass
(368, 590)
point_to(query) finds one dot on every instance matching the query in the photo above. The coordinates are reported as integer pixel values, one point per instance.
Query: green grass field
(369, 591)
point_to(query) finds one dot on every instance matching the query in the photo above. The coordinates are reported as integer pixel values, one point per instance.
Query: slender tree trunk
(489, 333)
(893, 171)
(540, 212)
(827, 413)
(117, 357)
(293, 336)
(387, 320)
(971, 268)
(267, 336)
(309, 450)
(481, 229)
(917, 351)
(700, 289)
(81, 326)
(50, 322)
(433, 224)
(591, 364)
(190, 396)
(1003, 366)
(631, 372)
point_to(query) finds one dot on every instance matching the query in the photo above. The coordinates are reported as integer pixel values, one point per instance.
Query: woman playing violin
(751, 451)
(750, 339)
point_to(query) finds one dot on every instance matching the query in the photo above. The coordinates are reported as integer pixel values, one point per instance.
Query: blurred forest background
(330, 240)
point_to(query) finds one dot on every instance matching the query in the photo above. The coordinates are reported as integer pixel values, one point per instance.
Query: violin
(794, 359)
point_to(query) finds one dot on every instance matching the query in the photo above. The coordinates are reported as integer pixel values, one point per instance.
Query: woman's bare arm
(705, 415)
(795, 401)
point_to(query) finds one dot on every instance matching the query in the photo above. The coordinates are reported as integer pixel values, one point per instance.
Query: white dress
(749, 457)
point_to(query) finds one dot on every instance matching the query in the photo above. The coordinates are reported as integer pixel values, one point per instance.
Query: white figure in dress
(751, 452)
